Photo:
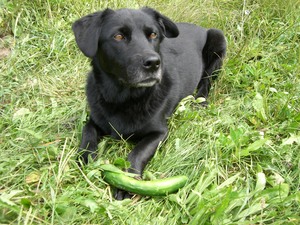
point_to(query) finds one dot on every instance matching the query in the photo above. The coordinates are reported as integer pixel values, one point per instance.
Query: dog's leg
(141, 155)
(89, 141)
(203, 89)
(213, 54)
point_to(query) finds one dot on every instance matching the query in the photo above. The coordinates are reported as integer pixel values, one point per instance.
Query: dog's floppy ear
(169, 28)
(87, 31)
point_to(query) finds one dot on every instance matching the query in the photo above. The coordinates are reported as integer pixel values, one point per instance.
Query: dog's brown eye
(119, 37)
(153, 35)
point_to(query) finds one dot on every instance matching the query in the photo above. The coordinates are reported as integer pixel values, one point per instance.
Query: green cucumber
(158, 187)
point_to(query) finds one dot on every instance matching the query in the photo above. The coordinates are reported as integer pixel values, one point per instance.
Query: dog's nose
(151, 63)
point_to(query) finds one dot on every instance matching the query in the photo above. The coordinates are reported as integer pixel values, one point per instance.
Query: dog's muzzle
(143, 71)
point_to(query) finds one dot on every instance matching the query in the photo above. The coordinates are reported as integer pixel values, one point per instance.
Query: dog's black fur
(143, 65)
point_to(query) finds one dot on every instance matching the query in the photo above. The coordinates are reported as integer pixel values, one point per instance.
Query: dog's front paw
(84, 156)
(204, 104)
(121, 195)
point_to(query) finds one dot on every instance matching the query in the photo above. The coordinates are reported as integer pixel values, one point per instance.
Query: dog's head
(126, 43)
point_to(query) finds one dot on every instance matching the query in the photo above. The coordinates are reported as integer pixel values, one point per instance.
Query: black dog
(143, 65)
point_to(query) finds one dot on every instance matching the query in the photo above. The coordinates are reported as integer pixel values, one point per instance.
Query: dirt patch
(6, 44)
(4, 52)
(6, 39)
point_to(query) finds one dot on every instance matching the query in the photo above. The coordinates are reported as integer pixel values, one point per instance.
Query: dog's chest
(125, 120)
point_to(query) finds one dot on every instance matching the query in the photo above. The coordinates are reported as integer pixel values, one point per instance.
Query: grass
(241, 153)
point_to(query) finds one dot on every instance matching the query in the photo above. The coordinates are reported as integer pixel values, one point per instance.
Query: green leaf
(93, 173)
(20, 113)
(147, 175)
(251, 210)
(253, 147)
(228, 181)
(275, 179)
(33, 177)
(235, 135)
(258, 105)
(90, 204)
(60, 209)
(221, 206)
(7, 197)
(177, 144)
(34, 134)
(257, 145)
(291, 140)
(276, 194)
(26, 202)
(122, 163)
(260, 182)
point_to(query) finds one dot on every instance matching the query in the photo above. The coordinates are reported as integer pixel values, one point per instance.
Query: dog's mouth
(149, 82)
(142, 79)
